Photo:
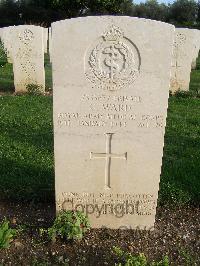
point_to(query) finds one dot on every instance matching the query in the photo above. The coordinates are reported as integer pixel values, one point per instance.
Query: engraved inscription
(114, 98)
(108, 155)
(98, 204)
(25, 55)
(114, 61)
(111, 120)
(111, 111)
(26, 36)
(180, 39)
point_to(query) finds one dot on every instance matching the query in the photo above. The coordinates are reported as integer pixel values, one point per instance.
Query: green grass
(6, 73)
(48, 72)
(195, 77)
(26, 148)
(180, 179)
(6, 78)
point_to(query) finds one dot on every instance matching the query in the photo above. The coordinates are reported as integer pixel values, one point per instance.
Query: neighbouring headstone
(45, 36)
(6, 37)
(196, 40)
(50, 44)
(1, 33)
(111, 84)
(184, 52)
(28, 58)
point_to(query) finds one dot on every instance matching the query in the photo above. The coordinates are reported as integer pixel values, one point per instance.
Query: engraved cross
(108, 155)
(176, 65)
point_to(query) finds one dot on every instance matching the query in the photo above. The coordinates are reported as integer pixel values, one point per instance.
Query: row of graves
(25, 47)
(111, 82)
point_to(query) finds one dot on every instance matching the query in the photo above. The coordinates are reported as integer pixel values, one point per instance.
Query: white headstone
(28, 57)
(183, 55)
(1, 33)
(45, 36)
(196, 40)
(111, 84)
(50, 43)
(6, 37)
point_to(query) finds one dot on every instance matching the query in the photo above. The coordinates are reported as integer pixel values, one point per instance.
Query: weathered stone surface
(196, 47)
(45, 41)
(6, 37)
(186, 48)
(50, 44)
(1, 33)
(28, 57)
(111, 84)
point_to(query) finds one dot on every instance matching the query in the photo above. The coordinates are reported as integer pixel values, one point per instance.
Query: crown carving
(113, 34)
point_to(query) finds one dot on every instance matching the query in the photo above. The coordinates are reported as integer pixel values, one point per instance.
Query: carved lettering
(109, 203)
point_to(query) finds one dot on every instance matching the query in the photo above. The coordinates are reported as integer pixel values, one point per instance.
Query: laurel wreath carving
(126, 76)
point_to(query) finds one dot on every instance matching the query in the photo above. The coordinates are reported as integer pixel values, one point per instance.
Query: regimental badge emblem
(180, 39)
(113, 61)
(26, 36)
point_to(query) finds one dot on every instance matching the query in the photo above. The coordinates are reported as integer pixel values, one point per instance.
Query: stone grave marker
(50, 44)
(111, 84)
(28, 57)
(6, 37)
(1, 33)
(45, 36)
(184, 52)
(196, 40)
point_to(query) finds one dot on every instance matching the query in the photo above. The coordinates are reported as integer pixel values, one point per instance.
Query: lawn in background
(180, 178)
(26, 148)
(195, 78)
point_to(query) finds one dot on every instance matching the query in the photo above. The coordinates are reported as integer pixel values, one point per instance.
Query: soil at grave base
(175, 230)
